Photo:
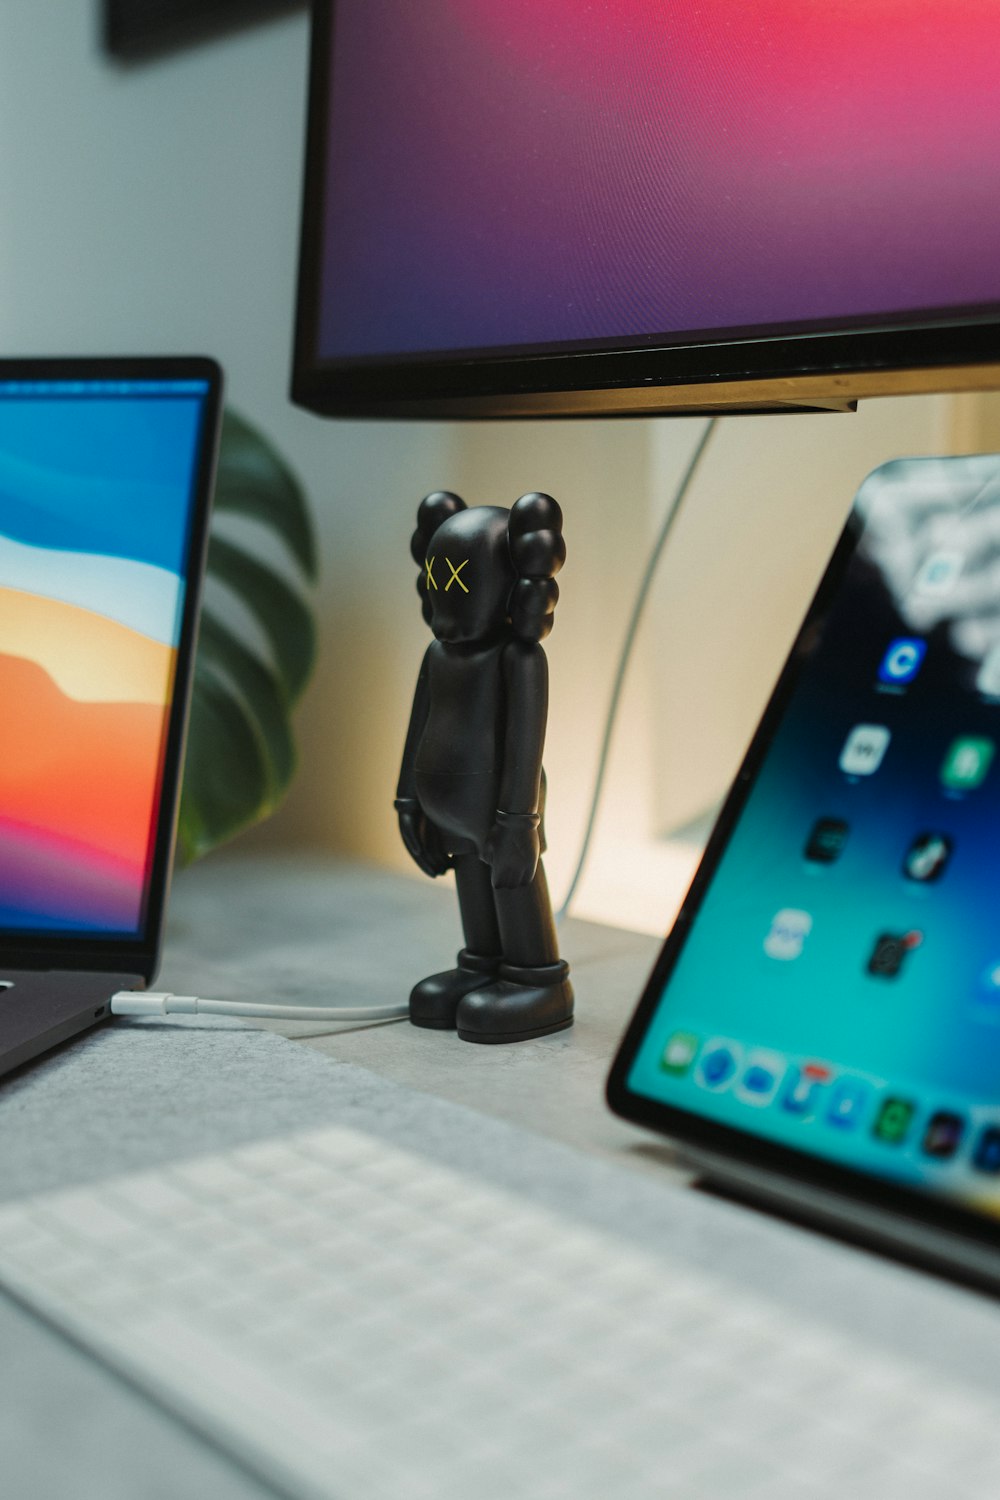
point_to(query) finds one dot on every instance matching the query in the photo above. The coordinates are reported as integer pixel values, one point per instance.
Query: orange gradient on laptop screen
(93, 533)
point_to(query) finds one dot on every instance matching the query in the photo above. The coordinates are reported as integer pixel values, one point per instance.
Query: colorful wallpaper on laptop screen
(94, 501)
(504, 172)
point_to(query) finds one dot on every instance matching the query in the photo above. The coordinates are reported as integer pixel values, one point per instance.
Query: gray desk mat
(143, 1092)
(151, 1091)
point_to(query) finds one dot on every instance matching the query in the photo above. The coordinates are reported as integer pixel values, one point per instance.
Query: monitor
(628, 206)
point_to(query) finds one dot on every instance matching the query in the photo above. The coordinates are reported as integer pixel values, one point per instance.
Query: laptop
(822, 1028)
(106, 472)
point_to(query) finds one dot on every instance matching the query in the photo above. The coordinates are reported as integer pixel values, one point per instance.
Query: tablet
(823, 1023)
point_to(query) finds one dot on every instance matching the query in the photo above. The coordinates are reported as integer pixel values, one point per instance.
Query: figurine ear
(534, 532)
(532, 605)
(538, 551)
(534, 512)
(433, 509)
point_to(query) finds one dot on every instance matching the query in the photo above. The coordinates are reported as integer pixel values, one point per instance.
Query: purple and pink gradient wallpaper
(505, 173)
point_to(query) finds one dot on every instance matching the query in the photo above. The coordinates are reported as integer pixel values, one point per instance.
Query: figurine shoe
(435, 1000)
(520, 1004)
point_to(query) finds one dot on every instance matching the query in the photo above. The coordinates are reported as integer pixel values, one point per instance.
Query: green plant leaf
(284, 617)
(226, 657)
(253, 480)
(240, 753)
(226, 780)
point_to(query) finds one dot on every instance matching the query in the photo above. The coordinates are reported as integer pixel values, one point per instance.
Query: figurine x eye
(471, 790)
(456, 575)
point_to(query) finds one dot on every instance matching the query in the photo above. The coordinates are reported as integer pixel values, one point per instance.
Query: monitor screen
(507, 201)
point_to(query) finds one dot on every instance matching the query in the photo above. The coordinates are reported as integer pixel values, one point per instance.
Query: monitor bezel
(139, 954)
(811, 367)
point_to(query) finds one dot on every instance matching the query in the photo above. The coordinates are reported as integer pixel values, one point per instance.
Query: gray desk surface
(528, 1115)
(355, 935)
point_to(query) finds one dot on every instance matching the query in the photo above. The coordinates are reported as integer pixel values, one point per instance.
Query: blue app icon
(847, 1102)
(718, 1065)
(986, 1156)
(989, 984)
(902, 661)
(804, 1089)
(761, 1077)
(758, 1080)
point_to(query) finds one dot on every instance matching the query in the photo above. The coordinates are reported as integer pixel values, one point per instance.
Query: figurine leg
(434, 1001)
(531, 995)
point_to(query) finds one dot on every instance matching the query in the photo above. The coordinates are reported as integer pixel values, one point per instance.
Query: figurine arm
(514, 842)
(419, 836)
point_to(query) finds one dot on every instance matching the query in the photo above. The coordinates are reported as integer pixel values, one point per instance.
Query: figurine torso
(459, 755)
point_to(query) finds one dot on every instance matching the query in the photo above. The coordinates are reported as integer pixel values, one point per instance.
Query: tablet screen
(834, 985)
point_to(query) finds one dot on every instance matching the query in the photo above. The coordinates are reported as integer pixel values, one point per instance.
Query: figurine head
(485, 570)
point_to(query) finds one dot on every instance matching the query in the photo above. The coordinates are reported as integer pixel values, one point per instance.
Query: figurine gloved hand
(514, 847)
(420, 838)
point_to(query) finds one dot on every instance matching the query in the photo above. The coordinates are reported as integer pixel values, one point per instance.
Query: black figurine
(471, 793)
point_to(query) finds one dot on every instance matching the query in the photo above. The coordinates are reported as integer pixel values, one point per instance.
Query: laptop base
(40, 1009)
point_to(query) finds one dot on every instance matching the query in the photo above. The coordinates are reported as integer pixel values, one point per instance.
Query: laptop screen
(98, 483)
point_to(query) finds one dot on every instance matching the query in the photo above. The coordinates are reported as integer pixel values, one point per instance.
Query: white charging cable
(154, 1003)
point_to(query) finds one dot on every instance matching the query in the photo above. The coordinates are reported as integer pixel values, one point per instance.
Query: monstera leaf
(240, 753)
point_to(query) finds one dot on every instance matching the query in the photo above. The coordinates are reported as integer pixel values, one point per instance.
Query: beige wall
(747, 552)
(759, 523)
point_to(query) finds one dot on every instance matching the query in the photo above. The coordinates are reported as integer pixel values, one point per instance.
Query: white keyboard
(357, 1322)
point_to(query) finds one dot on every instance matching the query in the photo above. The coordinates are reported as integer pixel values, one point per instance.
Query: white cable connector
(153, 1003)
